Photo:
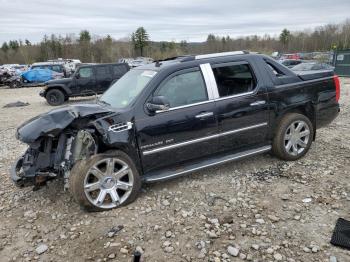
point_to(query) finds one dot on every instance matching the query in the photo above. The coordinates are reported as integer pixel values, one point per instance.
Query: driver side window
(85, 72)
(184, 89)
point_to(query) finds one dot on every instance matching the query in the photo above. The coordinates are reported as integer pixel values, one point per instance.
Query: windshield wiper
(103, 102)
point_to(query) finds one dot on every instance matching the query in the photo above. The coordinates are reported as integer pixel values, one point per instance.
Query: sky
(172, 20)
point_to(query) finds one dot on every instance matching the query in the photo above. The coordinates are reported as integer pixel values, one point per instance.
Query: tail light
(337, 87)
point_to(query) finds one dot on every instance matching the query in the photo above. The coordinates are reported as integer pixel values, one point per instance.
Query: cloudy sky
(190, 20)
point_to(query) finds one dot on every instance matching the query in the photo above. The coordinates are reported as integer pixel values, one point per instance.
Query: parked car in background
(53, 66)
(171, 118)
(70, 65)
(5, 74)
(290, 56)
(312, 66)
(290, 62)
(32, 77)
(136, 62)
(88, 79)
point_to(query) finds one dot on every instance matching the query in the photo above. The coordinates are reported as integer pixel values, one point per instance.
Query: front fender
(64, 88)
(116, 133)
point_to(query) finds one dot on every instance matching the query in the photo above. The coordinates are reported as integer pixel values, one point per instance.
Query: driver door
(184, 132)
(86, 82)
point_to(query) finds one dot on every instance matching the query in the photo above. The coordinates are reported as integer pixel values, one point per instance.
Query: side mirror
(77, 76)
(158, 103)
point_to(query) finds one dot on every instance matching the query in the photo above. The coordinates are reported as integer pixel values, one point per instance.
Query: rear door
(103, 78)
(119, 71)
(186, 130)
(242, 108)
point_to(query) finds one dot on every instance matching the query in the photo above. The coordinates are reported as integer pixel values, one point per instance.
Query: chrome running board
(169, 173)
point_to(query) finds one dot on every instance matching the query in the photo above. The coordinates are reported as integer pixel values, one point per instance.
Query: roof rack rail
(221, 54)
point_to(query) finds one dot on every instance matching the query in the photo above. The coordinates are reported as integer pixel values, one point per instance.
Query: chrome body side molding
(222, 160)
(189, 142)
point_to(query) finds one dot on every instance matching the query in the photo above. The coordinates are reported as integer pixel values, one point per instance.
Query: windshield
(127, 88)
(303, 67)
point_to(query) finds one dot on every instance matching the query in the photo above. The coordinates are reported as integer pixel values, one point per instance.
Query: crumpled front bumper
(18, 180)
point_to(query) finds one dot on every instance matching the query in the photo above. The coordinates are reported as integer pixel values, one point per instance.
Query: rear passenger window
(234, 79)
(102, 72)
(119, 70)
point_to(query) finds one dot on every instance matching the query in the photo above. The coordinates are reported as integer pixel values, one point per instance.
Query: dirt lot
(248, 210)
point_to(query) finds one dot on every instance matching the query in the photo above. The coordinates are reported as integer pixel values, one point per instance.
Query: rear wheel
(55, 97)
(293, 137)
(105, 181)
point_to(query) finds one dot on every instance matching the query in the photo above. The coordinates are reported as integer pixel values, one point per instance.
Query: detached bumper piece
(341, 234)
(17, 175)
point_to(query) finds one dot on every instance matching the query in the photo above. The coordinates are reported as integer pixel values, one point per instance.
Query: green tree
(85, 46)
(285, 37)
(140, 39)
(84, 36)
(27, 42)
(5, 47)
(13, 44)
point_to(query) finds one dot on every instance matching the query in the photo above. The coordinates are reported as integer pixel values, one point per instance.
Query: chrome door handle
(258, 103)
(204, 115)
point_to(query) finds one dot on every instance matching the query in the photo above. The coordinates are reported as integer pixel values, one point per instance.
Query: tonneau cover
(311, 75)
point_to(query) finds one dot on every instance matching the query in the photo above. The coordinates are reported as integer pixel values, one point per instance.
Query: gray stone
(42, 248)
(233, 251)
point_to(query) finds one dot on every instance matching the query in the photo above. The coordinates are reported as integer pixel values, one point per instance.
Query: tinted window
(184, 89)
(56, 68)
(119, 70)
(234, 79)
(102, 72)
(85, 72)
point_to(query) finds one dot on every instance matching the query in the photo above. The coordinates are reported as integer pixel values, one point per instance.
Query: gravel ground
(258, 209)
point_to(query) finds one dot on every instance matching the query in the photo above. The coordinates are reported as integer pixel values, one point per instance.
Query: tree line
(97, 49)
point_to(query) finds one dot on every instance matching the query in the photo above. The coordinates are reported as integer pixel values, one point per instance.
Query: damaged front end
(57, 140)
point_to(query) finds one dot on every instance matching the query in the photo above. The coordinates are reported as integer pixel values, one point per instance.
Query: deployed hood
(59, 81)
(54, 121)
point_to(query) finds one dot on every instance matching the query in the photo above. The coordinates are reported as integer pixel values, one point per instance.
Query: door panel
(86, 83)
(103, 78)
(184, 131)
(246, 118)
(242, 107)
(172, 137)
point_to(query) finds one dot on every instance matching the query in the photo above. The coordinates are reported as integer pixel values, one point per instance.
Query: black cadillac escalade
(170, 118)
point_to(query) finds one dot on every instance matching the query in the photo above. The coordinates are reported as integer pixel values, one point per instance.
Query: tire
(293, 137)
(55, 97)
(88, 190)
(15, 84)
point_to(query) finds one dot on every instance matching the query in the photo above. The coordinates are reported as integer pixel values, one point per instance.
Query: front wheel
(105, 181)
(55, 97)
(293, 137)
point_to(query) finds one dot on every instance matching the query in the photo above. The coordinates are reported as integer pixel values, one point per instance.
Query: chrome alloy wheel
(296, 137)
(108, 183)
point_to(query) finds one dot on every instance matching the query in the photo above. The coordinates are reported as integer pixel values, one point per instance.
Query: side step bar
(170, 173)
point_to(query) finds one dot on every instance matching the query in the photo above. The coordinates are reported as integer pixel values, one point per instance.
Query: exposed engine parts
(50, 156)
